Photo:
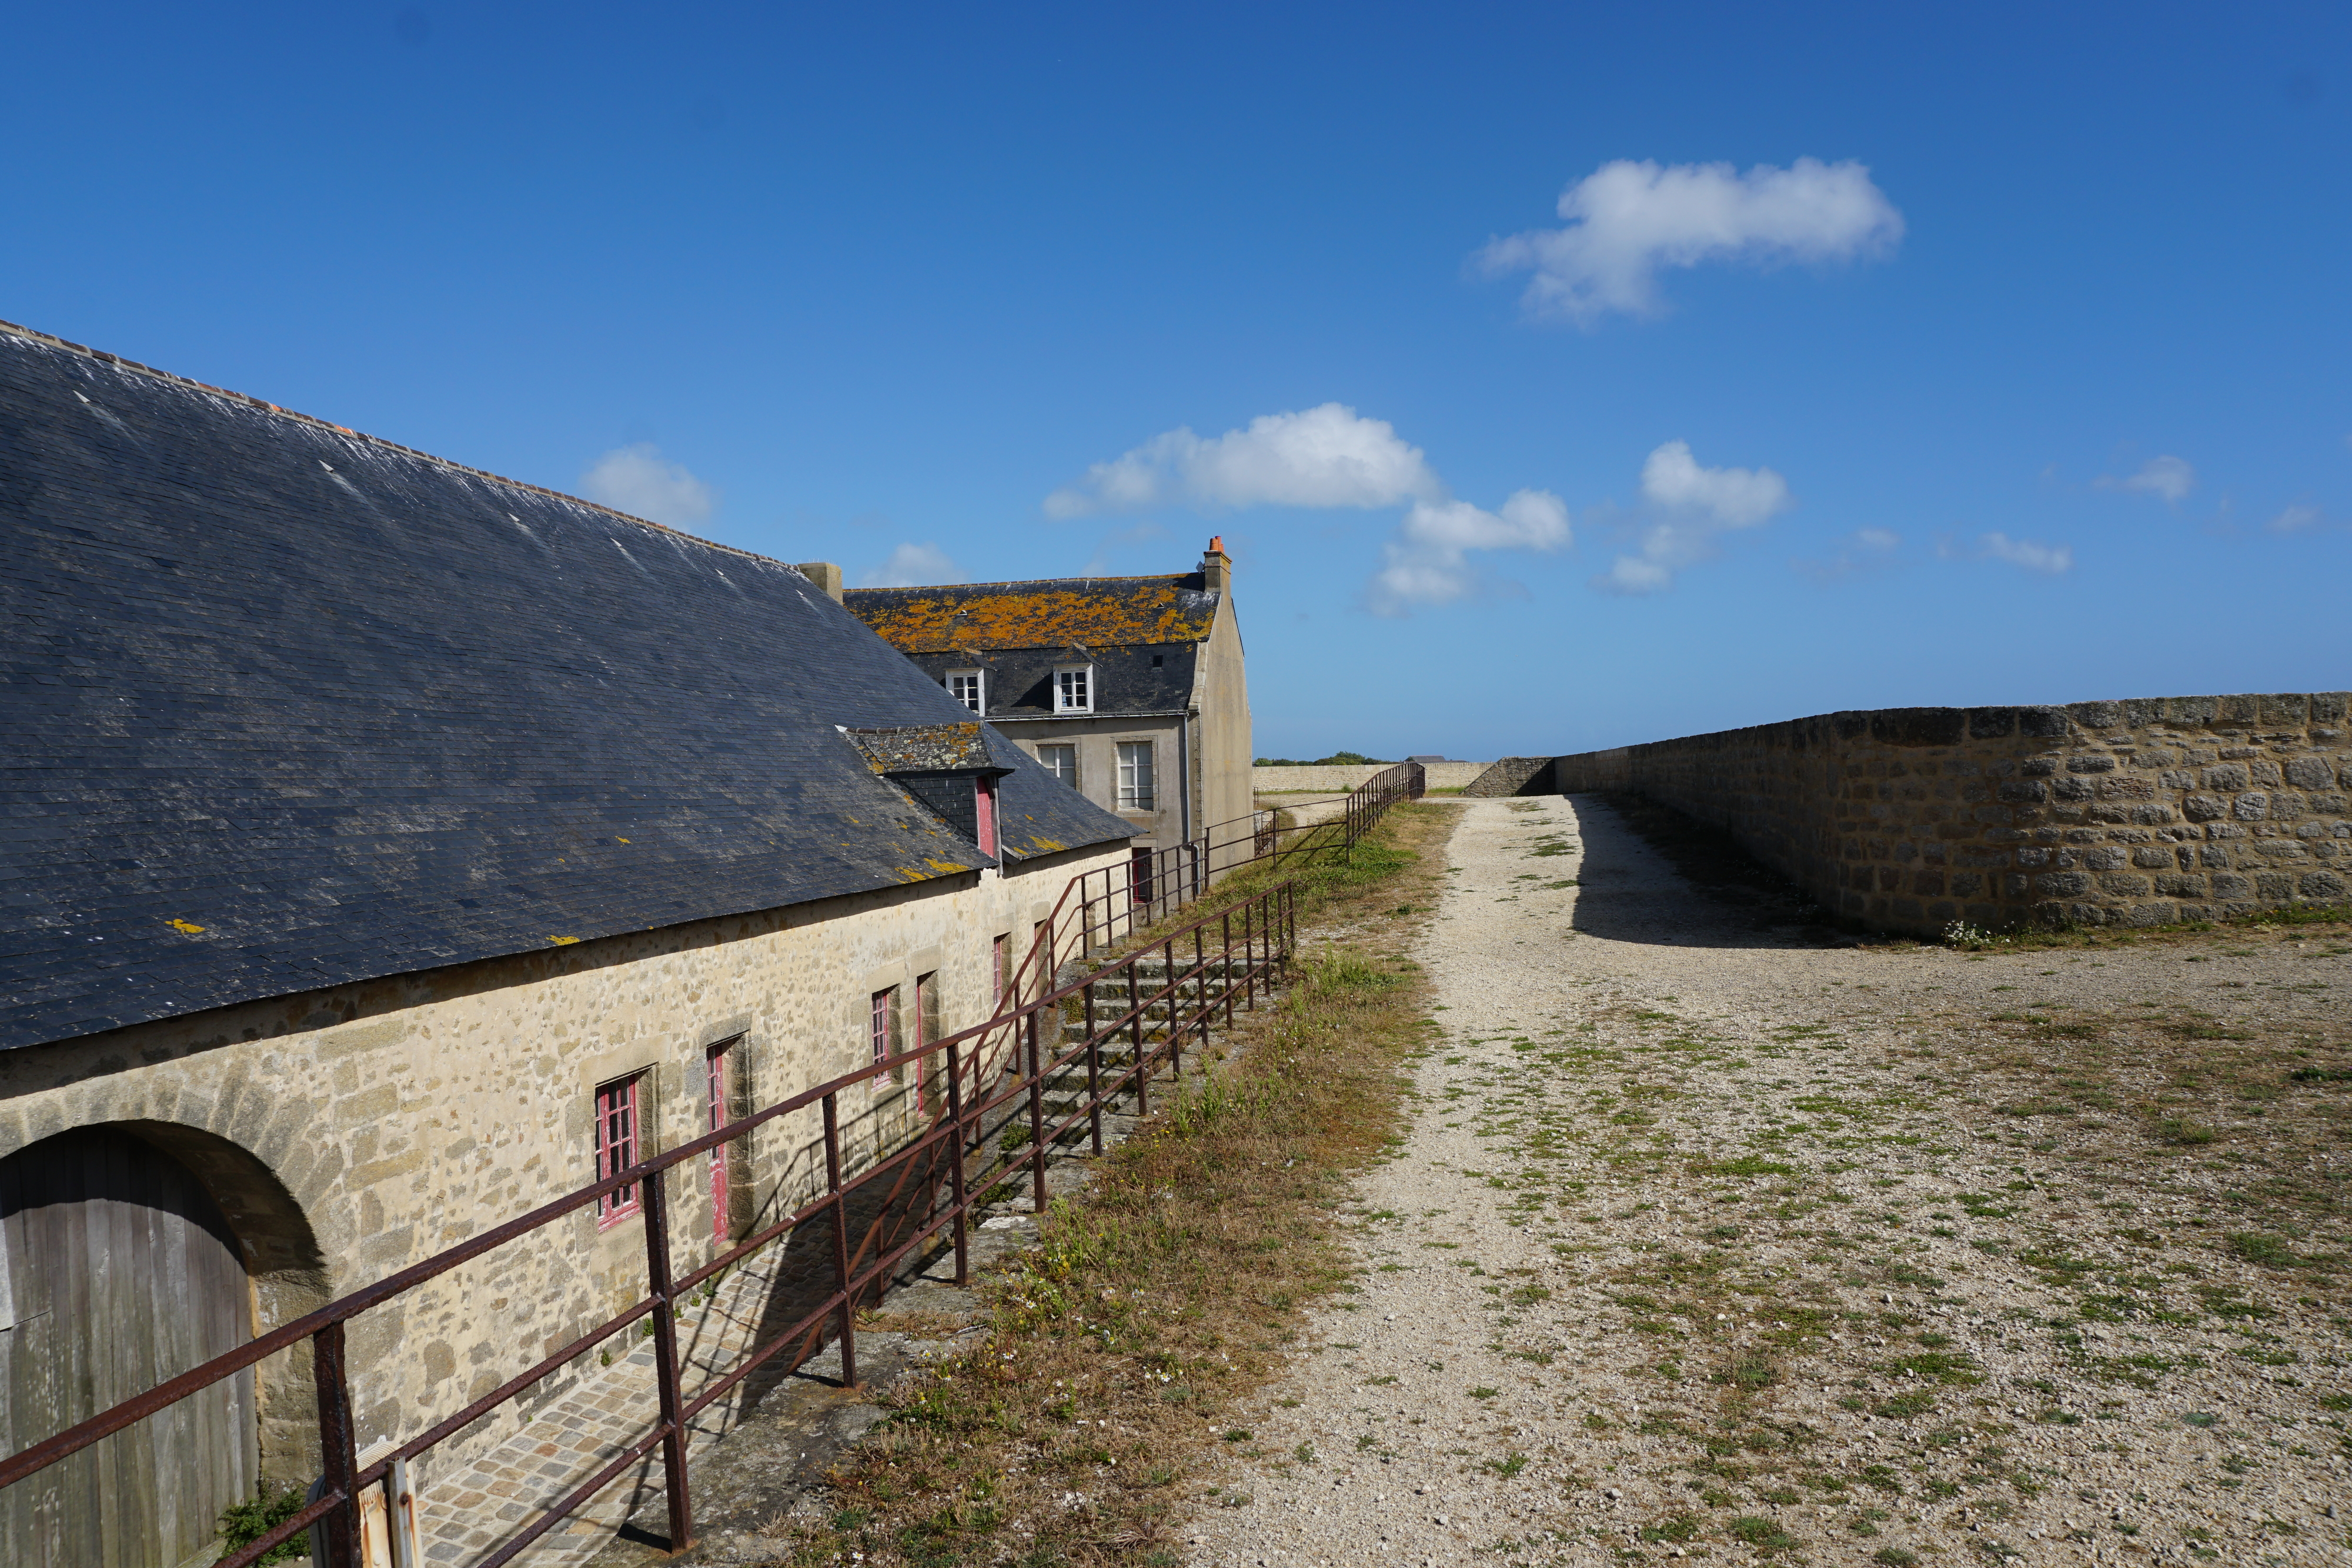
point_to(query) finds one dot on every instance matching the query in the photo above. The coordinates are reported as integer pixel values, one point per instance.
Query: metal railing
(1133, 1016)
(1100, 907)
(1370, 801)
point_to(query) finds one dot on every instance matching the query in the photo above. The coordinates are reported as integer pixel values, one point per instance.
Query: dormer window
(968, 687)
(1073, 688)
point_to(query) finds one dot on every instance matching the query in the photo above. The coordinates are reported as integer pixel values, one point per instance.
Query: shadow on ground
(1740, 901)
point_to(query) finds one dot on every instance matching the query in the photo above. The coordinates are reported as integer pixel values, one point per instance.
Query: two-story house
(1130, 689)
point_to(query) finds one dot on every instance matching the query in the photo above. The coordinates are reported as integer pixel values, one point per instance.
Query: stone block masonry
(1513, 775)
(1339, 778)
(2104, 813)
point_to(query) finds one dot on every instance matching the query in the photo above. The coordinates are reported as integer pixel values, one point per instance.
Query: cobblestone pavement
(1708, 1241)
(469, 1513)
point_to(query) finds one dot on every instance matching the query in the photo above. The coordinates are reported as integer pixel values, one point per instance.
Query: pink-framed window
(616, 1147)
(880, 1020)
(716, 1079)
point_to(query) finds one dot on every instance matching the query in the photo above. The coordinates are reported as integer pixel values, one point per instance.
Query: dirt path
(1715, 1241)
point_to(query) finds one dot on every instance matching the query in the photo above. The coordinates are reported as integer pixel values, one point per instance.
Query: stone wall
(1513, 775)
(1338, 778)
(2134, 813)
(350, 1133)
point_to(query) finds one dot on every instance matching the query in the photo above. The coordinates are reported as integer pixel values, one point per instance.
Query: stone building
(391, 848)
(1130, 689)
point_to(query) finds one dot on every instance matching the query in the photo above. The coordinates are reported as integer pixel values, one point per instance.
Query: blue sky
(1978, 354)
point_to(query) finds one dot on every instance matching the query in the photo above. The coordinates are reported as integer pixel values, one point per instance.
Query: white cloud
(639, 481)
(1626, 220)
(1729, 497)
(1324, 456)
(914, 566)
(2048, 559)
(2296, 518)
(1688, 506)
(2168, 477)
(1862, 550)
(1427, 561)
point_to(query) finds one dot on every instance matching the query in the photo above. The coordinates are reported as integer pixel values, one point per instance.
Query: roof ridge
(36, 335)
(1024, 583)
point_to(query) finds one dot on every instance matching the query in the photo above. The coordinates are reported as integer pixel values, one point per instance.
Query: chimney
(825, 575)
(1217, 567)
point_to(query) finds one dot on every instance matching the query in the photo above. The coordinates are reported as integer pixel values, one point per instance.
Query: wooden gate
(116, 1272)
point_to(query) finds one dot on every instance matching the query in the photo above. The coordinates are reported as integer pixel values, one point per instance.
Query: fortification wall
(2133, 813)
(1513, 775)
(1340, 777)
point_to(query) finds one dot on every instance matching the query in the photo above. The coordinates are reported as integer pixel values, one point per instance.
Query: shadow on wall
(2105, 813)
(1652, 875)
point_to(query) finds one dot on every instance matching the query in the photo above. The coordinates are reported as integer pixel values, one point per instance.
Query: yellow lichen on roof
(1019, 615)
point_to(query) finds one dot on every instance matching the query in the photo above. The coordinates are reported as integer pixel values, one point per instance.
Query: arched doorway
(120, 1272)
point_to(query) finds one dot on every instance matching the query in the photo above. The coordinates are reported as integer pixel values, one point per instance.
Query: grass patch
(1160, 1274)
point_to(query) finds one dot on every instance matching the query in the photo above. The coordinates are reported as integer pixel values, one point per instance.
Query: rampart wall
(1513, 775)
(1339, 778)
(2134, 813)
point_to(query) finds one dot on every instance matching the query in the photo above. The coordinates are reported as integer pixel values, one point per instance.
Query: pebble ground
(1718, 1241)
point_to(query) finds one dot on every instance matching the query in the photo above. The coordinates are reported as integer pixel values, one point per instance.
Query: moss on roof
(1053, 612)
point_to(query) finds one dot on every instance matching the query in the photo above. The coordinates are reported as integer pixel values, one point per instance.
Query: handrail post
(1135, 1036)
(846, 1313)
(1201, 971)
(1094, 1067)
(658, 1283)
(1175, 1006)
(955, 1165)
(338, 1447)
(1225, 961)
(1037, 1118)
(1249, 952)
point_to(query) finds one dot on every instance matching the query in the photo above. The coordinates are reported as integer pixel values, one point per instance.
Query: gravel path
(1714, 1242)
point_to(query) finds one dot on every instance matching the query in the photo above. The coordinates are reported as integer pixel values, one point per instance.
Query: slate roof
(1020, 684)
(1053, 612)
(286, 706)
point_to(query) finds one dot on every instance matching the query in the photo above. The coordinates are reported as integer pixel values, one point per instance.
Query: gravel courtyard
(1713, 1236)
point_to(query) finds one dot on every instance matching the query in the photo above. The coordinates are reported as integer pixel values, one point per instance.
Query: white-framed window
(970, 688)
(1062, 762)
(1135, 791)
(1073, 688)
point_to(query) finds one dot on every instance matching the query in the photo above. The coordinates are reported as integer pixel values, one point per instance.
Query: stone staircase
(1067, 1086)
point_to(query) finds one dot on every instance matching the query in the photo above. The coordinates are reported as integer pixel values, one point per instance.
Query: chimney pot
(1217, 567)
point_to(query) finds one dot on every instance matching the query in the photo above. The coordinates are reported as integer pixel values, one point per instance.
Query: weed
(243, 1523)
(1764, 1535)
(2270, 1252)
(2183, 1131)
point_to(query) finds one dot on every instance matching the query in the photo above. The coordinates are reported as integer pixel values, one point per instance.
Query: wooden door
(119, 1273)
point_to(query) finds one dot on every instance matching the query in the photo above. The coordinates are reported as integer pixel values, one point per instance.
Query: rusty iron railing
(1099, 908)
(1370, 801)
(1135, 1015)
